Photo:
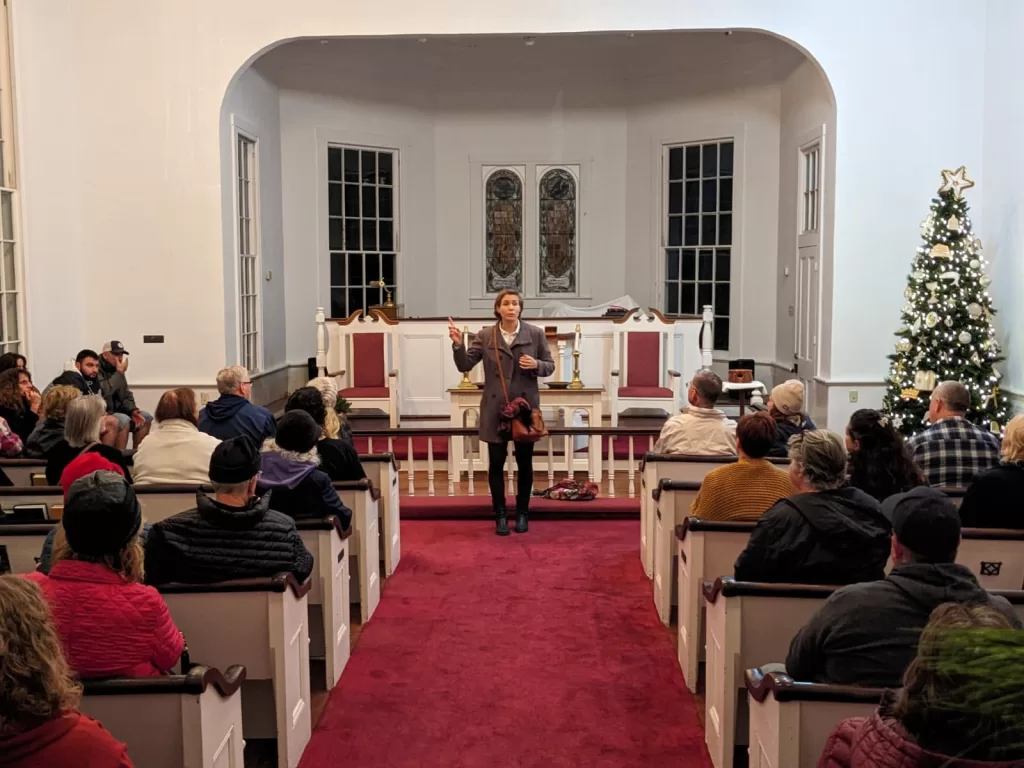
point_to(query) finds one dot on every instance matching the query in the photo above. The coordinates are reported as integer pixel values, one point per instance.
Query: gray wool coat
(521, 383)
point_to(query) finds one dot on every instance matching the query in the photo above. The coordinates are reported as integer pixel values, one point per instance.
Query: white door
(808, 267)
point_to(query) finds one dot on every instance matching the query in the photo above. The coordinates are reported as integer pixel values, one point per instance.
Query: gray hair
(84, 420)
(955, 395)
(821, 456)
(230, 379)
(708, 385)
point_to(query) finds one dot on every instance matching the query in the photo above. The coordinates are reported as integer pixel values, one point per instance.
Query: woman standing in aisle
(515, 355)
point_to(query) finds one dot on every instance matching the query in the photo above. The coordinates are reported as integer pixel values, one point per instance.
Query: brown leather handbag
(521, 432)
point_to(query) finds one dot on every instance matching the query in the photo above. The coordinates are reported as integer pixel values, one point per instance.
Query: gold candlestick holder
(380, 284)
(466, 383)
(576, 383)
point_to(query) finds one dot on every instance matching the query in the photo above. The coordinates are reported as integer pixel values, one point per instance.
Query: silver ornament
(974, 310)
(985, 281)
(964, 338)
(975, 263)
(919, 274)
(949, 322)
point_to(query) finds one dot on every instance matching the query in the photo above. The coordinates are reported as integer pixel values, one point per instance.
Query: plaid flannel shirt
(952, 451)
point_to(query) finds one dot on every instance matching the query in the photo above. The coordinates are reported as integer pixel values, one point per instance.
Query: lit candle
(465, 336)
(576, 340)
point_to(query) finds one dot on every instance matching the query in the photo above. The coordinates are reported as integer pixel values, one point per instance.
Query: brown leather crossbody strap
(497, 360)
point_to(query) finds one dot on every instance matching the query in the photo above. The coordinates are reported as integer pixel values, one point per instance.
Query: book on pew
(5, 560)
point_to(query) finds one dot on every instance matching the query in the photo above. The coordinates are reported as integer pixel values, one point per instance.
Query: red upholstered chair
(366, 365)
(643, 347)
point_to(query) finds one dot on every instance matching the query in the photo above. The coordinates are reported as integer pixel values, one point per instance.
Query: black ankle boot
(522, 523)
(501, 522)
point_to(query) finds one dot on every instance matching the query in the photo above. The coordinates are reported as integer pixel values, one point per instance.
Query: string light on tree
(946, 324)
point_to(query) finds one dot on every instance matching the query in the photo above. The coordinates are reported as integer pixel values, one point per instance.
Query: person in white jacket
(175, 451)
(700, 429)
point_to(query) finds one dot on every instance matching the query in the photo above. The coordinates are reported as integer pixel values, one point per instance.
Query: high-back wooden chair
(643, 353)
(365, 362)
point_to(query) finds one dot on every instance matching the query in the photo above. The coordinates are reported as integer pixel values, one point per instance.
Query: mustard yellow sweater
(740, 492)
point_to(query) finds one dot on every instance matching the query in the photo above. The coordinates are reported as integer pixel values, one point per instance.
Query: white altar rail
(428, 372)
(432, 463)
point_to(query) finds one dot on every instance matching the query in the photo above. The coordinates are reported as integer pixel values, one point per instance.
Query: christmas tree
(946, 331)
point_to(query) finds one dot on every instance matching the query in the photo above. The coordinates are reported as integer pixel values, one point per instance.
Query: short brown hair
(508, 292)
(821, 456)
(757, 433)
(177, 403)
(56, 401)
(955, 395)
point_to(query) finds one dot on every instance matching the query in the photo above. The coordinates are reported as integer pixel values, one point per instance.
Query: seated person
(83, 433)
(10, 444)
(175, 451)
(231, 414)
(700, 429)
(786, 405)
(880, 461)
(335, 423)
(338, 458)
(49, 430)
(866, 634)
(84, 376)
(290, 470)
(953, 450)
(995, 498)
(744, 490)
(119, 398)
(934, 719)
(826, 532)
(234, 535)
(10, 360)
(19, 402)
(40, 724)
(111, 624)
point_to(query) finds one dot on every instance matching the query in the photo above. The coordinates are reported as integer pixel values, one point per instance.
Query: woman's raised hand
(453, 332)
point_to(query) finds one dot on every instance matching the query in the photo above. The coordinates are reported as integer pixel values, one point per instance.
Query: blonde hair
(56, 401)
(230, 379)
(821, 458)
(84, 420)
(129, 562)
(329, 391)
(1013, 440)
(35, 681)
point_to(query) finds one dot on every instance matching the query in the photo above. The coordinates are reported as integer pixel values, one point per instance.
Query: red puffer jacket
(109, 627)
(877, 742)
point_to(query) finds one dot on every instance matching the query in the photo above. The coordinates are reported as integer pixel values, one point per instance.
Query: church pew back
(20, 471)
(329, 624)
(193, 719)
(263, 625)
(995, 556)
(382, 470)
(791, 721)
(23, 543)
(362, 497)
(671, 500)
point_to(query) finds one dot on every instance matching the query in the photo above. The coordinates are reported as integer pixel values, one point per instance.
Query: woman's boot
(501, 522)
(522, 521)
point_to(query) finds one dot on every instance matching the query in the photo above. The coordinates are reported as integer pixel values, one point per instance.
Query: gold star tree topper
(955, 181)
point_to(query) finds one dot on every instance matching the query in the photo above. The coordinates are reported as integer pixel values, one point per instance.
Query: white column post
(321, 345)
(708, 339)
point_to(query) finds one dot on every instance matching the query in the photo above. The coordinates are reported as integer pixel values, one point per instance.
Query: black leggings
(497, 452)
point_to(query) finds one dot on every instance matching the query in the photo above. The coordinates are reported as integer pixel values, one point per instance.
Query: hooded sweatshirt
(829, 537)
(300, 490)
(866, 634)
(234, 416)
(69, 741)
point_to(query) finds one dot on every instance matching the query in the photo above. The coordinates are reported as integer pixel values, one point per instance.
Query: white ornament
(974, 263)
(955, 181)
(931, 320)
(919, 275)
(902, 346)
(949, 321)
(975, 359)
(897, 421)
(916, 327)
(925, 380)
(985, 281)
(964, 337)
(927, 225)
(908, 293)
(976, 245)
(974, 310)
(940, 251)
(953, 224)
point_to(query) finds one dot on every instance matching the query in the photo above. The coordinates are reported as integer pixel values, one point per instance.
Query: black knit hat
(234, 461)
(101, 514)
(296, 431)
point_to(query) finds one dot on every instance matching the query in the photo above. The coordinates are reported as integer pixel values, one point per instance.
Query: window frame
(10, 235)
(520, 173)
(540, 171)
(244, 134)
(810, 189)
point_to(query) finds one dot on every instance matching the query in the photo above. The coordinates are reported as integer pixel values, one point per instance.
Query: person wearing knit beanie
(101, 515)
(786, 406)
(86, 464)
(788, 397)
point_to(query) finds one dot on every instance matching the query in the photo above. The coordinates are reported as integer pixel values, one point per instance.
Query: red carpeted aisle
(535, 650)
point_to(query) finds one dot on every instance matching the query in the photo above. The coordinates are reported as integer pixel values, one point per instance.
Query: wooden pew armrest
(193, 683)
(784, 688)
(729, 587)
(279, 582)
(324, 524)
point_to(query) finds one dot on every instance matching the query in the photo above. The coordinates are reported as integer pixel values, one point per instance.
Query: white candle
(576, 340)
(465, 336)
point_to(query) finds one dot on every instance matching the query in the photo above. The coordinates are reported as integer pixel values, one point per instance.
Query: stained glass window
(557, 232)
(504, 218)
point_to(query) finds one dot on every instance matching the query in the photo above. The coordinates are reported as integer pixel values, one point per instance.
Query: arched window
(504, 219)
(557, 229)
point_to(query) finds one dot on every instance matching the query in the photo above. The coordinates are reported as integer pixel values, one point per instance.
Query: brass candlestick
(387, 292)
(576, 383)
(466, 383)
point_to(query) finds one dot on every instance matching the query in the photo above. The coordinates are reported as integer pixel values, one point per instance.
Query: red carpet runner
(535, 650)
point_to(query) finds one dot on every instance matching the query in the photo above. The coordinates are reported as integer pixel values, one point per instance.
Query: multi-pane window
(362, 204)
(10, 326)
(248, 255)
(698, 232)
(811, 181)
(557, 226)
(503, 216)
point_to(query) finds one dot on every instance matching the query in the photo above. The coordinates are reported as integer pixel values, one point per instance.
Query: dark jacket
(830, 537)
(44, 438)
(215, 542)
(234, 416)
(21, 420)
(114, 388)
(995, 499)
(339, 460)
(520, 383)
(74, 378)
(785, 430)
(300, 489)
(866, 634)
(63, 454)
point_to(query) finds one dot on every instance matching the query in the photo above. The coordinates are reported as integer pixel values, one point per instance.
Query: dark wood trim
(193, 683)
(729, 587)
(32, 490)
(679, 485)
(380, 315)
(440, 431)
(27, 529)
(695, 524)
(345, 320)
(1013, 596)
(379, 457)
(365, 484)
(22, 463)
(656, 494)
(992, 534)
(621, 319)
(784, 688)
(331, 522)
(682, 458)
(276, 583)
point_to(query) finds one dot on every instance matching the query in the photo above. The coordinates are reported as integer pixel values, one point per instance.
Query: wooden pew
(748, 624)
(790, 721)
(706, 550)
(24, 543)
(672, 500)
(194, 719)
(364, 548)
(382, 470)
(263, 625)
(329, 626)
(994, 555)
(20, 471)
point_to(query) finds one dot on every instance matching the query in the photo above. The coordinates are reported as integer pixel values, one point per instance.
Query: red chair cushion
(354, 393)
(645, 392)
(368, 361)
(643, 359)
